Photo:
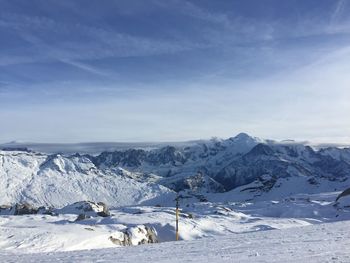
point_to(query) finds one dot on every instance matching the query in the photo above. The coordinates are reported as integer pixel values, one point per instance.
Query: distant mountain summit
(244, 137)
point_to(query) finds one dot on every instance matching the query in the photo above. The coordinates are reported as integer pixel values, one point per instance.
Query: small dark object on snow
(344, 193)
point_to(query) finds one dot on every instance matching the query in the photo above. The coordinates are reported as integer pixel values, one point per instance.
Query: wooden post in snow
(177, 218)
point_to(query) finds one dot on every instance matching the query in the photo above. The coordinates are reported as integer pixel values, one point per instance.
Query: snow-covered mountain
(56, 180)
(284, 161)
(177, 165)
(243, 164)
(223, 165)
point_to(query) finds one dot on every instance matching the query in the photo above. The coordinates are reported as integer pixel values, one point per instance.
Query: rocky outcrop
(135, 236)
(24, 209)
(86, 208)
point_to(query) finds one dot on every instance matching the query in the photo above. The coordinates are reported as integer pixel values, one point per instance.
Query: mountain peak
(242, 135)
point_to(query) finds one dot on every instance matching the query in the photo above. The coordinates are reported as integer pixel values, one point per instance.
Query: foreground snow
(317, 243)
(62, 232)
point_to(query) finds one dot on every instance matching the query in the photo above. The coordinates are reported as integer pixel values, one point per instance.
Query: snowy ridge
(56, 180)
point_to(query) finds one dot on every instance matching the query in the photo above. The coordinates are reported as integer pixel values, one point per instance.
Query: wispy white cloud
(338, 11)
(100, 43)
(85, 67)
(198, 12)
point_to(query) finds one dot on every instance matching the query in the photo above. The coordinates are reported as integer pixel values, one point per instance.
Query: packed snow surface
(317, 243)
(62, 232)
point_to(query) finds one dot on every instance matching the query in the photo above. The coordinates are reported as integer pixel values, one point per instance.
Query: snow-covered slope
(56, 180)
(66, 231)
(317, 243)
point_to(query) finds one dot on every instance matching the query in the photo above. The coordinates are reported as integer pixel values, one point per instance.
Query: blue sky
(73, 71)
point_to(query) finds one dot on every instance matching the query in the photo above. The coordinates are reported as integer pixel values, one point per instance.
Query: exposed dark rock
(82, 217)
(24, 209)
(313, 181)
(151, 235)
(46, 211)
(105, 212)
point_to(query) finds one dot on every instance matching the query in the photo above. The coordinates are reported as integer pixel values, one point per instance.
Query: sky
(174, 70)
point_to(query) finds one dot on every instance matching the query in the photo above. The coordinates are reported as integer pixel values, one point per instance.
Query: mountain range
(243, 166)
